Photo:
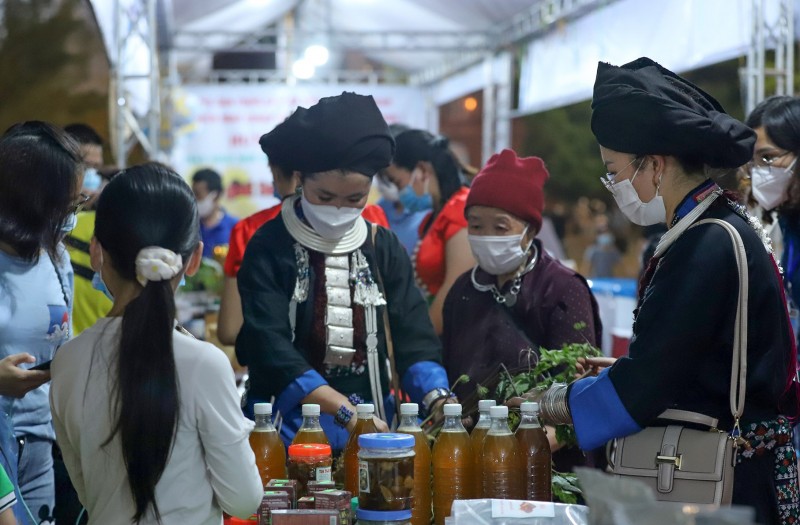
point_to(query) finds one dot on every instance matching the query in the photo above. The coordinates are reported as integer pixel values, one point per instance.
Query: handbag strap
(739, 365)
(387, 330)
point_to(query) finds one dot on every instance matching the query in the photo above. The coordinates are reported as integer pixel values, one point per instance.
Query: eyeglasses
(77, 206)
(608, 178)
(767, 159)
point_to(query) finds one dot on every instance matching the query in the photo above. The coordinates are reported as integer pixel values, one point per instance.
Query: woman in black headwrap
(658, 136)
(314, 281)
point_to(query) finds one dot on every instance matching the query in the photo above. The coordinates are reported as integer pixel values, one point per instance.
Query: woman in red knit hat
(518, 298)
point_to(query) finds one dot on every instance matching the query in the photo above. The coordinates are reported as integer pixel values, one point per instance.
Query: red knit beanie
(512, 184)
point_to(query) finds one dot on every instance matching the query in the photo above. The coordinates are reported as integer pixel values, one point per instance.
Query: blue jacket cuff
(297, 390)
(598, 413)
(422, 377)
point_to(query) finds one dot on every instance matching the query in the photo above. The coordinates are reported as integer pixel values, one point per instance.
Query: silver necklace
(509, 299)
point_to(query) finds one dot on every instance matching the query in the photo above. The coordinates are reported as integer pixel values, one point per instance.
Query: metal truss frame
(270, 41)
(765, 35)
(128, 128)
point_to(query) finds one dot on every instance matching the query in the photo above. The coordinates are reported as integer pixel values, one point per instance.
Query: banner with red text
(218, 126)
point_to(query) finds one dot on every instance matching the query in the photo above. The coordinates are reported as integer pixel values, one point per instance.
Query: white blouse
(211, 468)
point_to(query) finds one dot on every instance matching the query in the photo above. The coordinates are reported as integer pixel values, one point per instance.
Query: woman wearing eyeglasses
(39, 184)
(660, 137)
(775, 186)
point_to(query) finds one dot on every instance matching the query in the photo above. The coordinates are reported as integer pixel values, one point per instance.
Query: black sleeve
(412, 331)
(687, 306)
(266, 282)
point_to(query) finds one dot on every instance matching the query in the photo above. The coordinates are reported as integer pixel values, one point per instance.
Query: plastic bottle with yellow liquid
(501, 459)
(477, 437)
(365, 424)
(267, 445)
(537, 458)
(453, 469)
(310, 431)
(409, 424)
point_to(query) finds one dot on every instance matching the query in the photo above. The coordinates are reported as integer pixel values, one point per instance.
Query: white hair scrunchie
(157, 264)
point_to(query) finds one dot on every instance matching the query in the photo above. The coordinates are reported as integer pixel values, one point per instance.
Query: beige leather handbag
(686, 464)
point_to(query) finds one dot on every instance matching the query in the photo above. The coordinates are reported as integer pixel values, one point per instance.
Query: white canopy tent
(448, 48)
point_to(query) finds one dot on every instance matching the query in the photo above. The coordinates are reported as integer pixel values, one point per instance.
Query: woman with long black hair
(430, 177)
(40, 181)
(147, 417)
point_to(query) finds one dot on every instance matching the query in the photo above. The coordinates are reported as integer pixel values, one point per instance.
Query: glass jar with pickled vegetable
(309, 462)
(386, 472)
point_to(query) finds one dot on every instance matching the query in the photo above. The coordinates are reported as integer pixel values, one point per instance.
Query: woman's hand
(437, 410)
(16, 381)
(591, 366)
(555, 446)
(380, 424)
(531, 396)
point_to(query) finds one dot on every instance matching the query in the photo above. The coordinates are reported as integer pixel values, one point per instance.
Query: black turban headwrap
(345, 132)
(643, 108)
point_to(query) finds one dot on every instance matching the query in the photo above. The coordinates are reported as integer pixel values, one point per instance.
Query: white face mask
(769, 184)
(638, 212)
(205, 207)
(388, 190)
(499, 254)
(330, 222)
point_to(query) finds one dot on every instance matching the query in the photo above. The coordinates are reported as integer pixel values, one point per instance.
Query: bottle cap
(386, 440)
(365, 408)
(452, 409)
(529, 407)
(485, 404)
(262, 409)
(309, 450)
(409, 409)
(310, 410)
(501, 411)
(381, 516)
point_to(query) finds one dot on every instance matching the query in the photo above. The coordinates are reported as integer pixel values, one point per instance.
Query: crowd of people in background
(333, 300)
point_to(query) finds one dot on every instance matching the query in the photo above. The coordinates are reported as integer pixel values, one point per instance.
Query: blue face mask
(275, 193)
(70, 223)
(100, 286)
(415, 203)
(91, 180)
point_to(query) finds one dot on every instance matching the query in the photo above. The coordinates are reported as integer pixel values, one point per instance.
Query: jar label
(323, 474)
(363, 477)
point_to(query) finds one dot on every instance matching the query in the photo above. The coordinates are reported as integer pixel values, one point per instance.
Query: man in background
(215, 223)
(90, 304)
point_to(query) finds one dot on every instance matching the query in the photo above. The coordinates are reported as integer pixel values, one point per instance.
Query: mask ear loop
(524, 232)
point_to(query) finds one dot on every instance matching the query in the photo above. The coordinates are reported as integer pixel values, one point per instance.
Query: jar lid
(309, 450)
(409, 409)
(365, 408)
(386, 440)
(501, 411)
(310, 410)
(262, 409)
(529, 408)
(452, 409)
(486, 404)
(233, 520)
(383, 515)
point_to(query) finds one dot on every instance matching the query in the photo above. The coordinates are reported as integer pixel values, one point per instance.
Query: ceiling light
(303, 69)
(470, 103)
(317, 54)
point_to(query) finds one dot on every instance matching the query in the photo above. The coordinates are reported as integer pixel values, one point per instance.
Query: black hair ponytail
(144, 206)
(416, 145)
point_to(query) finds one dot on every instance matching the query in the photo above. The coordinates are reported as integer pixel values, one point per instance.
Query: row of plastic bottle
(491, 463)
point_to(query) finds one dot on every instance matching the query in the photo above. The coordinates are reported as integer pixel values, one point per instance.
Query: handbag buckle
(672, 460)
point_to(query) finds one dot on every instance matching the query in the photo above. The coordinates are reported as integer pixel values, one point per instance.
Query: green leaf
(565, 487)
(482, 392)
